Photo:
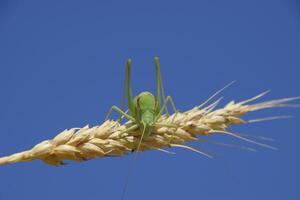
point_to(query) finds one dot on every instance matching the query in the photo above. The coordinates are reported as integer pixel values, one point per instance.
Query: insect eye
(138, 101)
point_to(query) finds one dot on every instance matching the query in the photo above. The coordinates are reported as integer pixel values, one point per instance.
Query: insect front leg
(121, 112)
(168, 98)
(172, 125)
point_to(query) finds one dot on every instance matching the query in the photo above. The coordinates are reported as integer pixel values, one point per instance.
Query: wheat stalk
(111, 138)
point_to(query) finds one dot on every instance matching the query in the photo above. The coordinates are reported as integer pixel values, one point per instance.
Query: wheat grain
(109, 139)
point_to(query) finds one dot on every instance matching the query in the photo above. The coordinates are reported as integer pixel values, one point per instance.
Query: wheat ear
(113, 139)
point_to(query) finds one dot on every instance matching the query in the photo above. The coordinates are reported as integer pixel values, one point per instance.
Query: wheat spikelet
(109, 139)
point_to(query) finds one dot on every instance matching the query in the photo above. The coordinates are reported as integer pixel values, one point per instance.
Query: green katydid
(145, 109)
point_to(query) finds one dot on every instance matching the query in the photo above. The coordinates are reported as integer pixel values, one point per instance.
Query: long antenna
(132, 164)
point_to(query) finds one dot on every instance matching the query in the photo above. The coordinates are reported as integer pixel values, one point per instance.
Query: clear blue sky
(62, 66)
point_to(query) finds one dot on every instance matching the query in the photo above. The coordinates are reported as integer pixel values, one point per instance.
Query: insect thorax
(145, 101)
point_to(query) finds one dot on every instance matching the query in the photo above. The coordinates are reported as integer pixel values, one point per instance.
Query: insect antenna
(132, 164)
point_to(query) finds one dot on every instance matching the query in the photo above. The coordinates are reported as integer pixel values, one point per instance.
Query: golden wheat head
(109, 139)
